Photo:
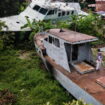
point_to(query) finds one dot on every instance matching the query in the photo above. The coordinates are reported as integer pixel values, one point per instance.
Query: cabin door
(68, 51)
(74, 52)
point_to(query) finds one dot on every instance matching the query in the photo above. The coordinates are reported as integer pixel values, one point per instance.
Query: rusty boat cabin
(67, 54)
(69, 49)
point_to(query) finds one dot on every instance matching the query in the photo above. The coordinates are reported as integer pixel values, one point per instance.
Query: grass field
(27, 81)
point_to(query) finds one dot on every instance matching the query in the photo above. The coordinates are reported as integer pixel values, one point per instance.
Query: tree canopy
(9, 7)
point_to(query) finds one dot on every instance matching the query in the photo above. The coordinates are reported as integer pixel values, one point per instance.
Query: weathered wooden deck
(86, 81)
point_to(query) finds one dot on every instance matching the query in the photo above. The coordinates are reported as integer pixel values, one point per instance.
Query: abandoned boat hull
(79, 81)
(40, 10)
(69, 85)
(66, 82)
(74, 89)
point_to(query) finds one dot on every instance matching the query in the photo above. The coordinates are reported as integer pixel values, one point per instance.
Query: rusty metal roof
(72, 36)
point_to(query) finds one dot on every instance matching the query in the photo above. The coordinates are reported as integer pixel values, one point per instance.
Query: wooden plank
(101, 81)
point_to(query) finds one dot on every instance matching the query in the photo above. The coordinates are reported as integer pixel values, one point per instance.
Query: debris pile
(6, 97)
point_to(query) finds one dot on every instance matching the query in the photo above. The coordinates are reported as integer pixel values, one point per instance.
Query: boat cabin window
(56, 42)
(46, 39)
(36, 7)
(51, 12)
(63, 13)
(59, 14)
(72, 12)
(68, 12)
(50, 39)
(53, 41)
(43, 11)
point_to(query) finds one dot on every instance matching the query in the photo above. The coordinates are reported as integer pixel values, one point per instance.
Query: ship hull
(68, 84)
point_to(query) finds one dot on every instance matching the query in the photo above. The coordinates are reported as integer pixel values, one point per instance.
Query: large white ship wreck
(68, 56)
(39, 10)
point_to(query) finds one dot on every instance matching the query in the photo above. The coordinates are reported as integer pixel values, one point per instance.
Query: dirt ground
(24, 54)
(6, 97)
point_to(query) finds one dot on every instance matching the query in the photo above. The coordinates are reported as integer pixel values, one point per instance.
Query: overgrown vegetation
(23, 79)
(28, 80)
(91, 25)
(11, 7)
(74, 102)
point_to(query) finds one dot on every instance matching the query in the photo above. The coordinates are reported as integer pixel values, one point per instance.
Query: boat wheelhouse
(68, 56)
(68, 48)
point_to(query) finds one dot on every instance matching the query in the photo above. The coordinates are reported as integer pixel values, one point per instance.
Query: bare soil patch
(6, 97)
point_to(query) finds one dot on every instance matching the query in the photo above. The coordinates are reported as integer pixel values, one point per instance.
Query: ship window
(59, 14)
(51, 12)
(17, 22)
(56, 42)
(46, 39)
(43, 11)
(68, 12)
(72, 12)
(50, 39)
(36, 7)
(63, 13)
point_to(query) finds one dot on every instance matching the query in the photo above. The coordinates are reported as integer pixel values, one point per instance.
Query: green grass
(29, 81)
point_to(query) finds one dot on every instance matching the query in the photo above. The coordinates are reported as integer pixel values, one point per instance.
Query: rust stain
(101, 81)
(84, 66)
(38, 40)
